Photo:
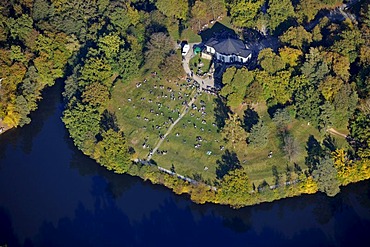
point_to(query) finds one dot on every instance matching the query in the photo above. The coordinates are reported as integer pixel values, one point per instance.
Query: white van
(185, 49)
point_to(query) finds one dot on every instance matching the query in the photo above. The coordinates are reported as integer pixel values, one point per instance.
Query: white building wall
(210, 49)
(227, 59)
(232, 58)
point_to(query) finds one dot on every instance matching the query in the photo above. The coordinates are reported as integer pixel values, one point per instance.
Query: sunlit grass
(149, 101)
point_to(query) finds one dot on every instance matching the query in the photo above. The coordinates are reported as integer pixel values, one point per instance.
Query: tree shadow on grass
(229, 161)
(329, 144)
(221, 112)
(273, 109)
(109, 121)
(314, 152)
(250, 118)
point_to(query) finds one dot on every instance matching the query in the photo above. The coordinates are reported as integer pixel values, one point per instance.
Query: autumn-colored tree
(297, 37)
(112, 152)
(330, 86)
(290, 56)
(96, 70)
(233, 132)
(277, 87)
(53, 56)
(172, 67)
(95, 94)
(173, 8)
(158, 48)
(344, 165)
(338, 64)
(235, 188)
(307, 9)
(307, 184)
(200, 15)
(270, 61)
(244, 13)
(279, 11)
(216, 8)
(110, 45)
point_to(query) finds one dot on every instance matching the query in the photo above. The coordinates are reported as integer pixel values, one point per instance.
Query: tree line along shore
(264, 136)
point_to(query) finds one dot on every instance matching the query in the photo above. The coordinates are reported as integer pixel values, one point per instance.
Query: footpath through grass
(146, 107)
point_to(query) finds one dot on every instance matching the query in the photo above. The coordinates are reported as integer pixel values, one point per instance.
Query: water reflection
(52, 195)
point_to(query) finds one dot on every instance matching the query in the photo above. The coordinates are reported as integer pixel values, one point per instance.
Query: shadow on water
(24, 136)
(117, 183)
(7, 234)
(97, 206)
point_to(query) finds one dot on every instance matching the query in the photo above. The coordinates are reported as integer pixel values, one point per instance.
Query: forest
(316, 81)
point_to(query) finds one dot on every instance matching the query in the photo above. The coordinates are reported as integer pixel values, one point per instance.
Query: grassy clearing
(189, 35)
(196, 61)
(182, 152)
(145, 110)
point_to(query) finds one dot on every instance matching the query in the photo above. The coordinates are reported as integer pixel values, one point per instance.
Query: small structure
(197, 50)
(228, 50)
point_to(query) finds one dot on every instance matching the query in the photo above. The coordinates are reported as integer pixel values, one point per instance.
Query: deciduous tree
(112, 152)
(297, 37)
(233, 131)
(279, 11)
(244, 12)
(173, 8)
(236, 188)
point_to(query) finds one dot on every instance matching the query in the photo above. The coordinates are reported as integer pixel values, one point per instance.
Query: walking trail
(333, 131)
(186, 109)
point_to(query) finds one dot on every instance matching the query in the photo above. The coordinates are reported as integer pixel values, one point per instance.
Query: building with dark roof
(228, 50)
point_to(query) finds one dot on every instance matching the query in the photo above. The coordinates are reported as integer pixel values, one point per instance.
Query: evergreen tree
(259, 134)
(326, 177)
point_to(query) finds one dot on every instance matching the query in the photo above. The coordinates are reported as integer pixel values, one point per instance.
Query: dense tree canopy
(317, 75)
(279, 11)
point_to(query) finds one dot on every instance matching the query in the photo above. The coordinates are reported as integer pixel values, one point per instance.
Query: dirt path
(186, 109)
(333, 131)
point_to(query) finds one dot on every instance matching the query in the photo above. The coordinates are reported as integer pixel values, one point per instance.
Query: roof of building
(229, 46)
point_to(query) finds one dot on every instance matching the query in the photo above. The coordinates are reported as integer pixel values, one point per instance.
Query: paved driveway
(204, 82)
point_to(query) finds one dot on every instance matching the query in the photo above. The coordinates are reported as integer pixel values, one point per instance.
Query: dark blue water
(52, 195)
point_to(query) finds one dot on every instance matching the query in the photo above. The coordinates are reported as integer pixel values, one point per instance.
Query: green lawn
(195, 62)
(145, 112)
(189, 35)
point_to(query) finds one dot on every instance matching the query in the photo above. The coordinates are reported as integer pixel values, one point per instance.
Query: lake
(53, 195)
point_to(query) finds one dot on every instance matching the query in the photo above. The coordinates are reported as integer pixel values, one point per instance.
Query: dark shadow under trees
(229, 161)
(109, 121)
(250, 118)
(314, 152)
(221, 112)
